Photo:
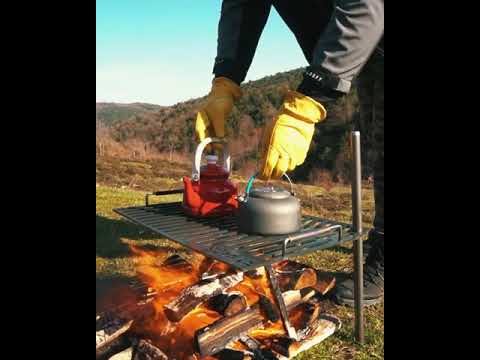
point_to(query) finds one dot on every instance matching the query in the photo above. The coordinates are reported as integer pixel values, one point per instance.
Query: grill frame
(219, 238)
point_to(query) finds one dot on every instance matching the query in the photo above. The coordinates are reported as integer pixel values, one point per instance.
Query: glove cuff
(327, 82)
(313, 88)
(304, 107)
(224, 85)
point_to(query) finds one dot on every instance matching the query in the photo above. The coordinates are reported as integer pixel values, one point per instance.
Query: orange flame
(176, 339)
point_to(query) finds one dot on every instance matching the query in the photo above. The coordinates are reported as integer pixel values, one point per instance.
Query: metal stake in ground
(357, 228)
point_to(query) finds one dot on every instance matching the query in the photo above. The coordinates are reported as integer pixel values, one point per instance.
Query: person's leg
(371, 125)
(375, 259)
(371, 96)
(307, 20)
(378, 141)
(364, 124)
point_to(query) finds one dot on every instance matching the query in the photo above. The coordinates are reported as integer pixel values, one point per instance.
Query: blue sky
(162, 52)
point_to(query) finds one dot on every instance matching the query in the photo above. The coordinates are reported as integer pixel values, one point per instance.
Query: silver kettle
(268, 210)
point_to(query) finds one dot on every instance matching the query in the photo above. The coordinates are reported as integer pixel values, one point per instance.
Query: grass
(148, 175)
(114, 262)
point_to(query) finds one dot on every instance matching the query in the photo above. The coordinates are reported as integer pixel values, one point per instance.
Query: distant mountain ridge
(109, 113)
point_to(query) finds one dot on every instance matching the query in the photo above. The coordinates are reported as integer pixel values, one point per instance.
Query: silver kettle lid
(270, 193)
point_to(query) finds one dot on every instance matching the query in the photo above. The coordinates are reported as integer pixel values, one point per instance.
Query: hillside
(170, 130)
(110, 113)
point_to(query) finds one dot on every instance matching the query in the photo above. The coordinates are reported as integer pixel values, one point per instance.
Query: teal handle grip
(252, 179)
(250, 184)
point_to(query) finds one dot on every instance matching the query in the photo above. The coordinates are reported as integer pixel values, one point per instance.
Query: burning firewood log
(296, 276)
(192, 357)
(110, 334)
(293, 298)
(269, 309)
(256, 273)
(114, 347)
(138, 312)
(144, 350)
(196, 294)
(123, 355)
(251, 343)
(176, 261)
(255, 347)
(310, 311)
(115, 324)
(117, 346)
(213, 338)
(228, 304)
(297, 279)
(325, 283)
(230, 354)
(318, 329)
(216, 336)
(214, 268)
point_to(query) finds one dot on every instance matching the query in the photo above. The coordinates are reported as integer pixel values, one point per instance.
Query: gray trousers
(371, 125)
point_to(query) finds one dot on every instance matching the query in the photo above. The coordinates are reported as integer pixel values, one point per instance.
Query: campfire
(202, 309)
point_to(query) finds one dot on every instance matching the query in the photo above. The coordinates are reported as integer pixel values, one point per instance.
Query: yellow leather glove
(286, 139)
(211, 118)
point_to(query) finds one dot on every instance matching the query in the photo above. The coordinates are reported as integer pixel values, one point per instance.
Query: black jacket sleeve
(350, 38)
(241, 24)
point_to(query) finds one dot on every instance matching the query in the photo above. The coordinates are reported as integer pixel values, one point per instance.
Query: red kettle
(209, 192)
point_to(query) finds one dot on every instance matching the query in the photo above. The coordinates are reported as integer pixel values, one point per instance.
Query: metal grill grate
(219, 237)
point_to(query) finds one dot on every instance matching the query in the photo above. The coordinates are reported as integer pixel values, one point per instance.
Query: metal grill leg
(357, 245)
(280, 302)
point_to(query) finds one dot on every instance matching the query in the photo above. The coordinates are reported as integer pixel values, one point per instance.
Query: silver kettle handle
(252, 179)
(198, 156)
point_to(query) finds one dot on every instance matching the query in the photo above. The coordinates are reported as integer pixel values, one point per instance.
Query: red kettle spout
(190, 197)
